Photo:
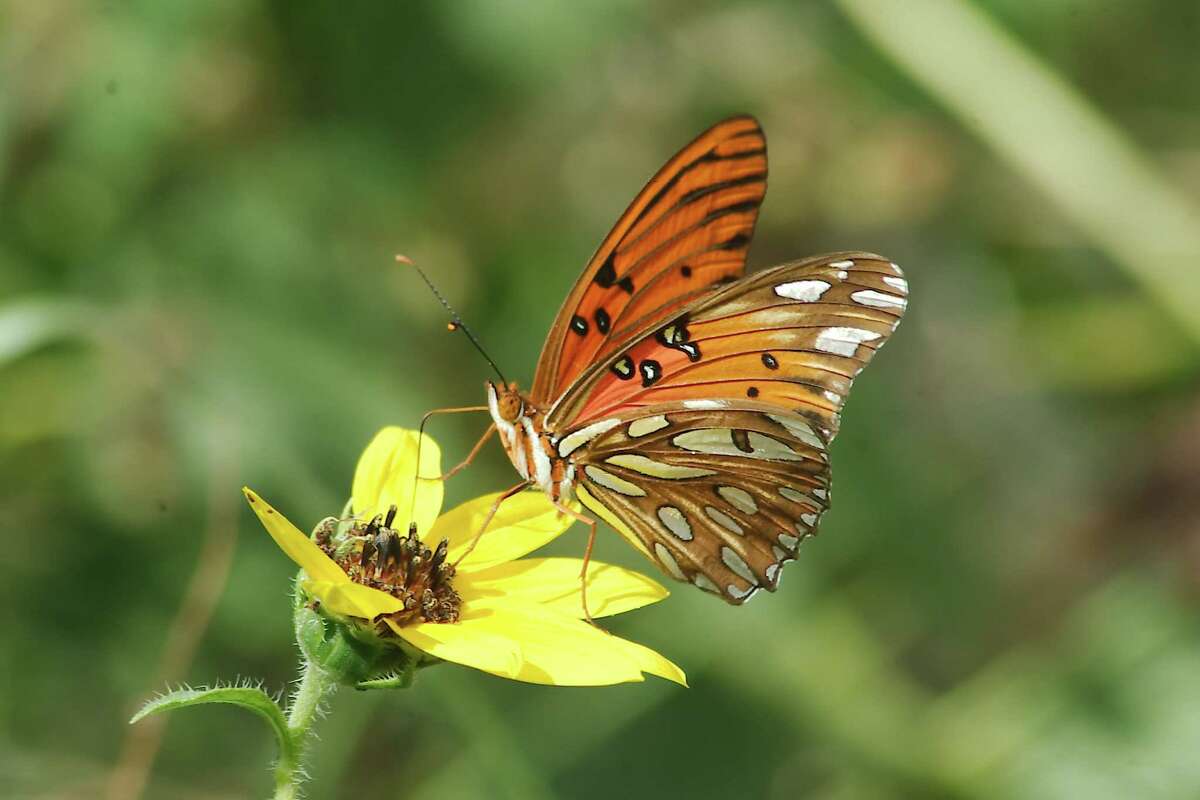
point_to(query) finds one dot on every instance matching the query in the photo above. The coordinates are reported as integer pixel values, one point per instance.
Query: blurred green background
(199, 204)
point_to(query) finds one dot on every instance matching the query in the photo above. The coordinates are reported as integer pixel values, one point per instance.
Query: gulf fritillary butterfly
(689, 406)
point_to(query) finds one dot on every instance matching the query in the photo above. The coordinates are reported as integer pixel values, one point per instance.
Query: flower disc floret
(379, 556)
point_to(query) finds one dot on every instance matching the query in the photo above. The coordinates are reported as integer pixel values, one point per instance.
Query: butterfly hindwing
(720, 497)
(688, 228)
(793, 337)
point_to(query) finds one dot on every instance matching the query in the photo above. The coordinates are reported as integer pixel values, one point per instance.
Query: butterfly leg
(461, 410)
(466, 462)
(587, 557)
(490, 516)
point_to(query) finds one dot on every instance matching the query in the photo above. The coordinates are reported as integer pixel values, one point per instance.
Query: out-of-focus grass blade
(1016, 724)
(1115, 345)
(1052, 135)
(28, 324)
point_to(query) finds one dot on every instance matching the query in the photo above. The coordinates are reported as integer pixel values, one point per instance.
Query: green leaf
(250, 698)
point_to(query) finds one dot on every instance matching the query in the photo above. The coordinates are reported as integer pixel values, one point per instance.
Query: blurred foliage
(200, 203)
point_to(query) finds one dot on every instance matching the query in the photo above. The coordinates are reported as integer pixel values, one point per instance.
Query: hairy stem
(302, 711)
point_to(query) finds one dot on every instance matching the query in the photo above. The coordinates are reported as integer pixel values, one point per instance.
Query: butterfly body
(687, 404)
(530, 447)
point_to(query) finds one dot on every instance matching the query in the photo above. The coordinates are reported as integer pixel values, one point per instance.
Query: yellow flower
(515, 617)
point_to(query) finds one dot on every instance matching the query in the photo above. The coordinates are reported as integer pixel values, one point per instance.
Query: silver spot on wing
(791, 494)
(656, 469)
(668, 561)
(674, 521)
(844, 341)
(741, 594)
(799, 429)
(738, 498)
(719, 442)
(573, 441)
(738, 565)
(874, 299)
(804, 291)
(609, 481)
(645, 425)
(724, 520)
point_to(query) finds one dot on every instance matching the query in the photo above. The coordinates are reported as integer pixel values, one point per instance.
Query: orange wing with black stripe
(687, 230)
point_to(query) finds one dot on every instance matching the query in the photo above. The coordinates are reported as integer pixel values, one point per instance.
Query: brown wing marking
(720, 498)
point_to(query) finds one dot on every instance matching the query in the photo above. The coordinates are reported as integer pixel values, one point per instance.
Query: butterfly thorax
(530, 446)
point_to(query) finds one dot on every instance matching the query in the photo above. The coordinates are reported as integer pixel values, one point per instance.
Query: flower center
(378, 556)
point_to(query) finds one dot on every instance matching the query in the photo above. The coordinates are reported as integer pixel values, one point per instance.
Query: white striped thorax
(530, 447)
(547, 460)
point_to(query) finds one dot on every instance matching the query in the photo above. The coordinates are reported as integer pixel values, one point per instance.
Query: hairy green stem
(289, 770)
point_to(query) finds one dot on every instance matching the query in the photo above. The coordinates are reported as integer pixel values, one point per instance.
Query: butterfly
(687, 404)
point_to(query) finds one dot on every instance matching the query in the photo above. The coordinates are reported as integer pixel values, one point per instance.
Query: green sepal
(397, 680)
(349, 652)
(251, 698)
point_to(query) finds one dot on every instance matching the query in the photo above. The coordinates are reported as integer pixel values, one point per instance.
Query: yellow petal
(352, 599)
(384, 477)
(555, 649)
(554, 583)
(652, 662)
(296, 545)
(525, 522)
(465, 642)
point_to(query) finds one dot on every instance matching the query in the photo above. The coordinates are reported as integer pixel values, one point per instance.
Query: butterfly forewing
(794, 337)
(689, 228)
(720, 497)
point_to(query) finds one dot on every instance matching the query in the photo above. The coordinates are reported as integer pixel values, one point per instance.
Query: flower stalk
(314, 687)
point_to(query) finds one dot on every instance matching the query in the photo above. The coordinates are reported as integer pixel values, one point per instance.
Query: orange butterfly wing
(688, 228)
(703, 439)
(793, 337)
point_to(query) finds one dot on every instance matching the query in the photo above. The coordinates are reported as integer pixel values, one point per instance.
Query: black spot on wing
(579, 325)
(675, 335)
(603, 321)
(623, 368)
(651, 371)
(606, 276)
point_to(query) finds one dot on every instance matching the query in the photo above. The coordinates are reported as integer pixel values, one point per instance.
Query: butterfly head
(505, 402)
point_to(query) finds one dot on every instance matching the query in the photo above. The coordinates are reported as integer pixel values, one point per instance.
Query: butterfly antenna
(456, 323)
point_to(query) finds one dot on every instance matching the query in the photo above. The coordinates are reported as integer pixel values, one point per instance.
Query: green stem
(289, 770)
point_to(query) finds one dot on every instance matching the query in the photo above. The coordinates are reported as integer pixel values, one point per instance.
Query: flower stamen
(376, 555)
